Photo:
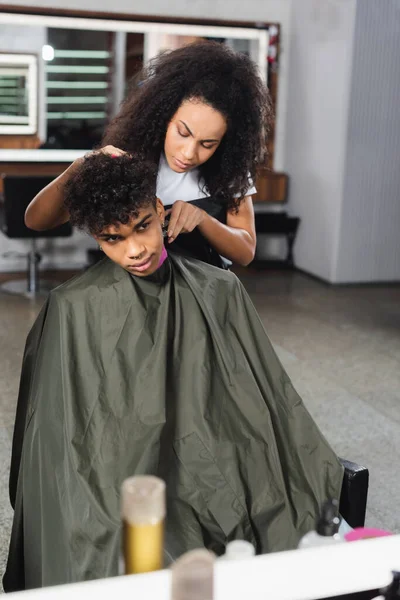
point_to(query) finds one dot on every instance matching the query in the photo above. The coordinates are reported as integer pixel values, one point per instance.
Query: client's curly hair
(227, 81)
(108, 190)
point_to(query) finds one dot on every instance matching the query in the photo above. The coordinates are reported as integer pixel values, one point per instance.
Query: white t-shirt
(172, 186)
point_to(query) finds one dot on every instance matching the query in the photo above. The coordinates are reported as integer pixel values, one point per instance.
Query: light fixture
(47, 52)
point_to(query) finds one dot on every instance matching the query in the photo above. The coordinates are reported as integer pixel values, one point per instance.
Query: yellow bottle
(143, 508)
(193, 576)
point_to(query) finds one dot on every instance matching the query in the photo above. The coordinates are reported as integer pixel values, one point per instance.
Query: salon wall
(342, 143)
(369, 242)
(320, 72)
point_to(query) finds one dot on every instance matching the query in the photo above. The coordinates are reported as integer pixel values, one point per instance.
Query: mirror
(18, 93)
(83, 67)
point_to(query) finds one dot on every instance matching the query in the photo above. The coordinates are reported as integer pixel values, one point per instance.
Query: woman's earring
(164, 228)
(100, 248)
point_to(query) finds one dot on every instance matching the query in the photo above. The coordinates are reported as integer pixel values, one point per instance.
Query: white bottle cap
(239, 549)
(143, 500)
(193, 576)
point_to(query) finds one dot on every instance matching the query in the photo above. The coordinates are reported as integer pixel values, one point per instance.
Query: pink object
(164, 255)
(364, 533)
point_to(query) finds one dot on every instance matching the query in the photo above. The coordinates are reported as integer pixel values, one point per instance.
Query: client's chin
(147, 267)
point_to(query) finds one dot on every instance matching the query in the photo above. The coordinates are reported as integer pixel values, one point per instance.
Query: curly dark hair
(108, 190)
(227, 81)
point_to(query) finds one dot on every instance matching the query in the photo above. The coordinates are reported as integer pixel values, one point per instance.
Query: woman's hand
(111, 150)
(184, 218)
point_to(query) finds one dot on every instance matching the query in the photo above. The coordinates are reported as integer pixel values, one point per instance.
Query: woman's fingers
(175, 222)
(184, 218)
(112, 151)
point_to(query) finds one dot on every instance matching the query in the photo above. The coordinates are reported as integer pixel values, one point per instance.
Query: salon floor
(341, 347)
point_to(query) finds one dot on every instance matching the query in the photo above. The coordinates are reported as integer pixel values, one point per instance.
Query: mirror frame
(10, 125)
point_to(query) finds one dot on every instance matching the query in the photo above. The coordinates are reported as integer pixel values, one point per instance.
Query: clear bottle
(193, 576)
(238, 550)
(327, 528)
(143, 508)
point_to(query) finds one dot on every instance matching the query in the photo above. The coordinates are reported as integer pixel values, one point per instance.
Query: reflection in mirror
(85, 74)
(88, 75)
(156, 42)
(18, 93)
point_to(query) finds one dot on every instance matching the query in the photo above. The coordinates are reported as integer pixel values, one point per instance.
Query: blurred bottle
(193, 576)
(392, 592)
(143, 508)
(238, 550)
(327, 527)
(365, 533)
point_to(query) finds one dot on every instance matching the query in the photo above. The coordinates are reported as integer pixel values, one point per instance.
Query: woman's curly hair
(108, 190)
(227, 81)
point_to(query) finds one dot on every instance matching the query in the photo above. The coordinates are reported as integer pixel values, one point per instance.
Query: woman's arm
(236, 240)
(47, 209)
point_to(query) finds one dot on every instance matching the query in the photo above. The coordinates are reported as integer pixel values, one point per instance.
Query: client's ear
(160, 210)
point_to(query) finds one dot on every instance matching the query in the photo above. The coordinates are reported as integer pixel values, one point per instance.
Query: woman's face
(193, 135)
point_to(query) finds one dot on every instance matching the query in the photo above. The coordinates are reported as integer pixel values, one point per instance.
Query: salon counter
(40, 156)
(312, 574)
(36, 162)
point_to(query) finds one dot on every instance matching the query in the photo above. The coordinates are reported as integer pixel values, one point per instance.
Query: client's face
(136, 246)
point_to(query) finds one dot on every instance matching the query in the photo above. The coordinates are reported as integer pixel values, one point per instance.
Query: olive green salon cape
(170, 375)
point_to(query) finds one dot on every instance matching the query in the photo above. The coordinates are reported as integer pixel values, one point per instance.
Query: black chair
(272, 190)
(353, 499)
(18, 191)
(277, 224)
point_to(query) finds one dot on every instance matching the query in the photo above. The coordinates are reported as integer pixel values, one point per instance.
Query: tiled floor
(340, 345)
